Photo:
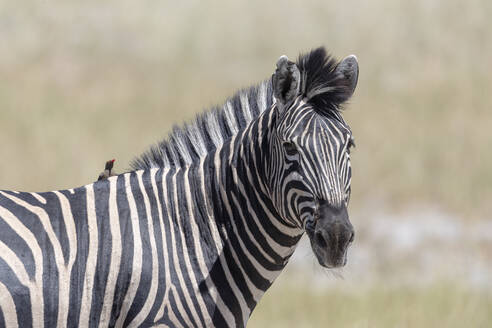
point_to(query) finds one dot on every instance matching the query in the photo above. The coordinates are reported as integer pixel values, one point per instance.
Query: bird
(108, 171)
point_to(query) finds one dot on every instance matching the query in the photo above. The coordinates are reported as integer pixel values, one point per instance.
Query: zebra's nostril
(310, 225)
(320, 239)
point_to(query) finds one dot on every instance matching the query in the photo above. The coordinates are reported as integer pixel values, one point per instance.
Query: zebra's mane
(321, 85)
(186, 144)
(209, 130)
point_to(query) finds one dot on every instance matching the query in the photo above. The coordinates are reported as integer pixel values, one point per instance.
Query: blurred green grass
(294, 303)
(84, 82)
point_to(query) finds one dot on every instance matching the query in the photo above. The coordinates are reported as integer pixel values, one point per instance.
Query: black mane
(320, 86)
(208, 130)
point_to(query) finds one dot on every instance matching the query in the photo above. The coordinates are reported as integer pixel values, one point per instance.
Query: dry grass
(291, 303)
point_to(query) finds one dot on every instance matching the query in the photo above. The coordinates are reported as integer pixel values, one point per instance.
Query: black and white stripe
(196, 236)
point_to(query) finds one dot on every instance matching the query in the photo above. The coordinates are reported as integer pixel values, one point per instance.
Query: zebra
(200, 228)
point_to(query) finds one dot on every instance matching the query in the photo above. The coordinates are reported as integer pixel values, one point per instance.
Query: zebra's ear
(348, 70)
(286, 81)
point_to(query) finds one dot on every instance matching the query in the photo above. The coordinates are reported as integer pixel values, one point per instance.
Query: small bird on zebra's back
(108, 170)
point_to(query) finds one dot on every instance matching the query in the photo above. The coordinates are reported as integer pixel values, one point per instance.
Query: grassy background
(83, 82)
(443, 304)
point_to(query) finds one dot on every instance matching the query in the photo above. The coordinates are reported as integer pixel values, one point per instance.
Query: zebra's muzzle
(330, 233)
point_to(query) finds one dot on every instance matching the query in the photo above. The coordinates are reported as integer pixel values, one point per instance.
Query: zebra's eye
(290, 148)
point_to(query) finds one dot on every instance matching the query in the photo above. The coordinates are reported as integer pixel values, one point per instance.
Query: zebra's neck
(256, 242)
(243, 195)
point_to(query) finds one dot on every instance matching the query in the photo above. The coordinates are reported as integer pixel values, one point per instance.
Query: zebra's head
(309, 166)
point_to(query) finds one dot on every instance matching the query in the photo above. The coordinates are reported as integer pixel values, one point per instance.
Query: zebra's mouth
(330, 233)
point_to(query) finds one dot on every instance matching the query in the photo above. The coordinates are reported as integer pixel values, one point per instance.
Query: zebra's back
(107, 254)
